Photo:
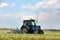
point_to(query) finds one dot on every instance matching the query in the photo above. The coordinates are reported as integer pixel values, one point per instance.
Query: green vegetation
(46, 36)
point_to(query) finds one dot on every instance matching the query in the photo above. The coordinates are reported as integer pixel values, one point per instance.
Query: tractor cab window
(28, 23)
(33, 23)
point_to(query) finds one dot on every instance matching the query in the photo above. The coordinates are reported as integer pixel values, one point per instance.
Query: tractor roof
(31, 20)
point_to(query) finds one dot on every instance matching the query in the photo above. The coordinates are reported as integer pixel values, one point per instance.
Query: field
(49, 35)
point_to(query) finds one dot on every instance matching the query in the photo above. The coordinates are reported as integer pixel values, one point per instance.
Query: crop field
(48, 35)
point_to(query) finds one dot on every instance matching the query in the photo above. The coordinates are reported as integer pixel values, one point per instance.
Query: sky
(13, 12)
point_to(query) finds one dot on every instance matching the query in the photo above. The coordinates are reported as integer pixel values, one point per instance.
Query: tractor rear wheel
(24, 30)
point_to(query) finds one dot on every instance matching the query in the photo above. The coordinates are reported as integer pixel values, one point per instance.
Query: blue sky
(13, 12)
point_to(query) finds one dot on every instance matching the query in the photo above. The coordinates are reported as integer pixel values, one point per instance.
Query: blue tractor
(30, 27)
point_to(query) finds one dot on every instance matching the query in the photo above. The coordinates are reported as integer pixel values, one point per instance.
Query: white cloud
(37, 5)
(5, 15)
(27, 6)
(42, 16)
(23, 15)
(3, 5)
(45, 4)
(13, 5)
(52, 4)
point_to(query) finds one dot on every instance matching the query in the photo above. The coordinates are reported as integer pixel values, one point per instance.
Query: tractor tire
(24, 30)
(35, 32)
(41, 31)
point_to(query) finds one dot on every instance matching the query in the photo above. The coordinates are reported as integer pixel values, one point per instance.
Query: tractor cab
(29, 22)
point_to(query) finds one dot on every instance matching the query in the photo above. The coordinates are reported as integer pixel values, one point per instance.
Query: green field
(47, 36)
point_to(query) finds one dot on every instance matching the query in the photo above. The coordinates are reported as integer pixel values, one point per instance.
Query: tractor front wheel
(35, 32)
(38, 32)
(41, 31)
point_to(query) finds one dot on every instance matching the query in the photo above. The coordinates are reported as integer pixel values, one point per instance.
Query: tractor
(30, 27)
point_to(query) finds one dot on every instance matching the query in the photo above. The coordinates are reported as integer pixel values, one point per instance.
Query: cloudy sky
(13, 12)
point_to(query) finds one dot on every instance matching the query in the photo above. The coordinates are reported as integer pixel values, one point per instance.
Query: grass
(46, 36)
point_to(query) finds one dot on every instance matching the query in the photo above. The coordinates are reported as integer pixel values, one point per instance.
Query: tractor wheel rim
(24, 31)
